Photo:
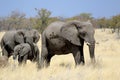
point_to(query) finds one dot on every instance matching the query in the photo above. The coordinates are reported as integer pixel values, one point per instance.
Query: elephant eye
(83, 33)
(34, 38)
(25, 39)
(79, 27)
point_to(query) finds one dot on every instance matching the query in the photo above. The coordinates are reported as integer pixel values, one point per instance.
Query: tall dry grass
(107, 65)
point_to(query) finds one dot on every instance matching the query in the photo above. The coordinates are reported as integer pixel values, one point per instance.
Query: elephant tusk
(97, 42)
(88, 43)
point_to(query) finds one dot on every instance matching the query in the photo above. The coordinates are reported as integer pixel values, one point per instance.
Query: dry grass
(62, 67)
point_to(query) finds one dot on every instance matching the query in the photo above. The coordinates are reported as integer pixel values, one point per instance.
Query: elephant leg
(48, 58)
(20, 60)
(5, 53)
(24, 60)
(36, 57)
(81, 51)
(77, 56)
(82, 54)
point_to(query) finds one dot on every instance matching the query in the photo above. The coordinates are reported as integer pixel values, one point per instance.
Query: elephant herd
(57, 39)
(21, 43)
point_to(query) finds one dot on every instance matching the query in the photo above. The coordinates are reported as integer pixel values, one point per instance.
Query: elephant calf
(24, 53)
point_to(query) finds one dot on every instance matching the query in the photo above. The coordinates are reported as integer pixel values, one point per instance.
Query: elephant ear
(19, 37)
(70, 32)
(36, 36)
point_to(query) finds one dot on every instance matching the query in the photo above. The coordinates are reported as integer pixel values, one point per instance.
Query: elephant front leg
(48, 59)
(19, 60)
(25, 57)
(45, 60)
(5, 53)
(82, 54)
(77, 57)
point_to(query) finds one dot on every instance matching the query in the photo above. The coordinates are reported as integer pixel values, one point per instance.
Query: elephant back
(53, 29)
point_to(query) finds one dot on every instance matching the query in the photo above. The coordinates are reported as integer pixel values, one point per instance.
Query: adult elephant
(24, 53)
(31, 36)
(67, 37)
(13, 38)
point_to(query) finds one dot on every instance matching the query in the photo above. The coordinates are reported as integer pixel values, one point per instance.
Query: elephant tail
(44, 40)
(44, 51)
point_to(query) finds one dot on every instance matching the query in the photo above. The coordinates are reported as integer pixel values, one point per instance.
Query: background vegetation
(18, 20)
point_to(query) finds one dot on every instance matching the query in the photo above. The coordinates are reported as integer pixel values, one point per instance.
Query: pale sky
(65, 8)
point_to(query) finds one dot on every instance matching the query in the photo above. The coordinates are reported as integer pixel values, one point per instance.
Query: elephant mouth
(90, 43)
(14, 57)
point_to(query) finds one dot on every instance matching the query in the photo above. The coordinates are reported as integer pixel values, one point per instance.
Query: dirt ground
(62, 67)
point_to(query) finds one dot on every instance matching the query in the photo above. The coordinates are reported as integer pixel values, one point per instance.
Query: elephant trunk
(29, 40)
(92, 50)
(32, 48)
(14, 56)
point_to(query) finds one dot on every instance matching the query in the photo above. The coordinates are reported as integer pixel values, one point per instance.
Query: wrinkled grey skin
(24, 53)
(63, 38)
(13, 38)
(32, 33)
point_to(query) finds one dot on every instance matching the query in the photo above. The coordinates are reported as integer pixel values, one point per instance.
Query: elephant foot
(93, 61)
(41, 65)
(82, 63)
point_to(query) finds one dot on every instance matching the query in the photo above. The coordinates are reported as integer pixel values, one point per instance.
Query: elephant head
(16, 51)
(21, 50)
(35, 35)
(75, 31)
(31, 37)
(27, 36)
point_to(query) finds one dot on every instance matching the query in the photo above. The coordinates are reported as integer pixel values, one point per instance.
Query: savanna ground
(107, 65)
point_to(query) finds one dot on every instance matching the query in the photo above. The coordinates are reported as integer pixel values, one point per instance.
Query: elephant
(67, 37)
(12, 38)
(34, 34)
(24, 53)
(31, 36)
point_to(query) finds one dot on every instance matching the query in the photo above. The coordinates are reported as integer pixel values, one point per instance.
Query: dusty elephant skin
(24, 53)
(67, 37)
(12, 38)
(3, 61)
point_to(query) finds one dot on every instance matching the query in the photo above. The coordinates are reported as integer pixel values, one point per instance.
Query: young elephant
(24, 53)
